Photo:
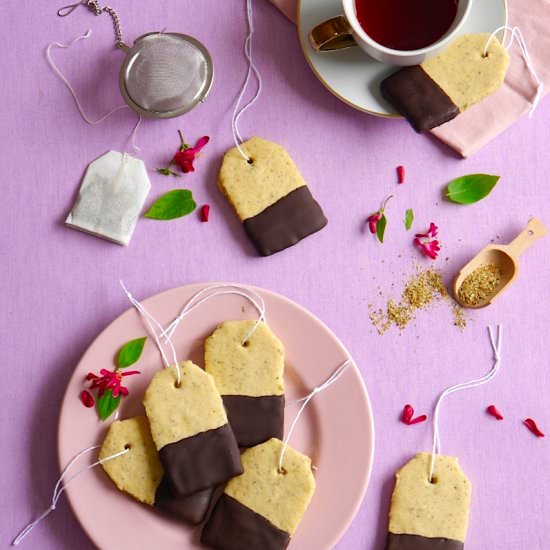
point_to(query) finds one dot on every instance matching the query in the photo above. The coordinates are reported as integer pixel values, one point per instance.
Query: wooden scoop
(504, 256)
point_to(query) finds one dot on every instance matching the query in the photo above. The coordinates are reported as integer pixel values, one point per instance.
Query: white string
(436, 447)
(252, 69)
(150, 321)
(515, 33)
(199, 298)
(60, 487)
(64, 79)
(135, 146)
(305, 400)
(54, 68)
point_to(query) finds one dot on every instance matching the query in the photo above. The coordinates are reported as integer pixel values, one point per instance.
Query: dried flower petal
(407, 415)
(205, 213)
(532, 425)
(418, 419)
(493, 411)
(400, 174)
(87, 398)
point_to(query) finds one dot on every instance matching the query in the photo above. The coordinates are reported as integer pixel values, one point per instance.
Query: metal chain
(94, 6)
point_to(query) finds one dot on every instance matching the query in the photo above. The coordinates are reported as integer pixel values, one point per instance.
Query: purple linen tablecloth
(59, 288)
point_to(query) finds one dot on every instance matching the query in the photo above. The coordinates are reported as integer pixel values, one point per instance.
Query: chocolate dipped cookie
(249, 377)
(429, 515)
(189, 427)
(262, 508)
(139, 472)
(269, 195)
(442, 87)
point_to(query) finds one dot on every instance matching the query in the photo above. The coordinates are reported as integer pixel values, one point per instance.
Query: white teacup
(345, 31)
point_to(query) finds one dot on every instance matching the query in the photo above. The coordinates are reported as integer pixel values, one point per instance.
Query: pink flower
(187, 155)
(427, 242)
(109, 380)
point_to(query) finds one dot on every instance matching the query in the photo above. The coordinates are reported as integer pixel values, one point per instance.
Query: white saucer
(353, 76)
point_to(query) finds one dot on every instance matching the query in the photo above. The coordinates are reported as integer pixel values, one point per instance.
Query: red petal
(201, 142)
(432, 231)
(493, 411)
(129, 372)
(400, 174)
(408, 413)
(532, 425)
(87, 398)
(418, 419)
(205, 213)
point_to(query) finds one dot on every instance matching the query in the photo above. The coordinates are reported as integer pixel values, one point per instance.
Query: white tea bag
(111, 197)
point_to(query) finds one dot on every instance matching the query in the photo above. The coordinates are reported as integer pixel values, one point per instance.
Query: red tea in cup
(406, 24)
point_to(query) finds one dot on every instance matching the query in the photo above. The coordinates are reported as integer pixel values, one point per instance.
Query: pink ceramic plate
(336, 430)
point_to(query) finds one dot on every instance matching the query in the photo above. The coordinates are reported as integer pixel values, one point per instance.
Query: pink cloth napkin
(471, 130)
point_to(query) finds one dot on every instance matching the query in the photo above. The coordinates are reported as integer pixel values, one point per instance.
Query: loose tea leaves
(480, 285)
(421, 290)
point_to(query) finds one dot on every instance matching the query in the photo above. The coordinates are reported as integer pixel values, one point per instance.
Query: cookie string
(496, 345)
(251, 70)
(220, 289)
(517, 35)
(305, 400)
(61, 485)
(195, 301)
(72, 91)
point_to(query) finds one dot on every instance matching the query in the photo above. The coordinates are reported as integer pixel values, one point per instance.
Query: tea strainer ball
(164, 74)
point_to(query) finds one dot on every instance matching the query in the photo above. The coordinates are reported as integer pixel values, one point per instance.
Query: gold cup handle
(332, 34)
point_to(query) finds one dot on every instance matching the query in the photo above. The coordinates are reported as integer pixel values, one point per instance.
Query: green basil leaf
(107, 404)
(130, 352)
(409, 218)
(381, 228)
(471, 188)
(172, 205)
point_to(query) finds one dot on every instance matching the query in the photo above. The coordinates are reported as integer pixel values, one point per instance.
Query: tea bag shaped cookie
(249, 377)
(111, 197)
(139, 472)
(424, 515)
(189, 427)
(269, 196)
(442, 87)
(262, 508)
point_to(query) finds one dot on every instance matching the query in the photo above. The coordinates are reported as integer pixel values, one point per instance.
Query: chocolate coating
(418, 98)
(233, 526)
(255, 419)
(190, 509)
(201, 461)
(285, 222)
(417, 542)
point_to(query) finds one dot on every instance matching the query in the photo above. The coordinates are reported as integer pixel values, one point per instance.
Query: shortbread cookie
(249, 378)
(189, 427)
(428, 515)
(269, 196)
(263, 507)
(139, 472)
(442, 87)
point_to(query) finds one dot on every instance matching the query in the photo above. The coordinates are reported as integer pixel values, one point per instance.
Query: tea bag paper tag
(111, 197)
(426, 514)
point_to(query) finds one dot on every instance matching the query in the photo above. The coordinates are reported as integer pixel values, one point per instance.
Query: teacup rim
(349, 11)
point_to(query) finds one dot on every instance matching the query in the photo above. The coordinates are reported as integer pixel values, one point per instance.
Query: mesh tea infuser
(164, 74)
